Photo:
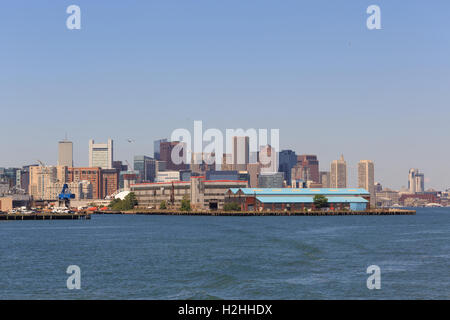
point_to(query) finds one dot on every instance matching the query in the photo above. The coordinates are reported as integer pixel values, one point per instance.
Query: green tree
(232, 206)
(128, 203)
(185, 204)
(320, 201)
(163, 205)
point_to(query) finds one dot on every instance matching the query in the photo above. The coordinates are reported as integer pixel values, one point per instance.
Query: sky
(141, 69)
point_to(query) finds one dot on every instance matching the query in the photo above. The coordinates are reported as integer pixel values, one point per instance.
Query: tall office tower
(416, 181)
(101, 154)
(157, 148)
(310, 164)
(325, 179)
(179, 150)
(241, 153)
(65, 153)
(146, 167)
(366, 178)
(287, 160)
(339, 173)
(268, 159)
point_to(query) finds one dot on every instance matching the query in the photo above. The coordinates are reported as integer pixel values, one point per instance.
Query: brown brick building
(104, 182)
(166, 155)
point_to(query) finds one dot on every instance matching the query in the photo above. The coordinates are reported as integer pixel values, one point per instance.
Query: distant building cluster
(159, 178)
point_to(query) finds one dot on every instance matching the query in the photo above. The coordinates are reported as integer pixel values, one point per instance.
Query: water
(176, 257)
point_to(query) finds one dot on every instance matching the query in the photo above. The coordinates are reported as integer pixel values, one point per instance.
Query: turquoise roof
(302, 192)
(306, 199)
(234, 190)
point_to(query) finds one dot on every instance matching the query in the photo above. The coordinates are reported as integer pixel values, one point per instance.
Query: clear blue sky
(140, 69)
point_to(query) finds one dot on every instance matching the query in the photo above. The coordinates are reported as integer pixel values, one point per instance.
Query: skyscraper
(339, 173)
(287, 159)
(309, 164)
(241, 153)
(157, 148)
(146, 167)
(416, 181)
(65, 153)
(180, 151)
(366, 178)
(101, 154)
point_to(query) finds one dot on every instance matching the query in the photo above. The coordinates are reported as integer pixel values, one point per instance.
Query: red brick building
(104, 181)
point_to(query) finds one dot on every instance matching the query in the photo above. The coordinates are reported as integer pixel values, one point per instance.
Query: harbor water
(184, 257)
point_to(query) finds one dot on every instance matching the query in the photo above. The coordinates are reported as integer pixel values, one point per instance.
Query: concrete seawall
(376, 212)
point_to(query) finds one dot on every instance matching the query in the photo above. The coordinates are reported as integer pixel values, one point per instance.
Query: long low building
(294, 199)
(203, 194)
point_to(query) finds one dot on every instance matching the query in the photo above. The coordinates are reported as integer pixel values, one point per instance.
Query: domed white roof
(121, 195)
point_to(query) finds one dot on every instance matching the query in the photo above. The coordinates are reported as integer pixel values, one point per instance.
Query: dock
(45, 216)
(373, 212)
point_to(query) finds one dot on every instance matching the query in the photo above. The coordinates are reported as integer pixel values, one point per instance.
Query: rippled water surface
(164, 257)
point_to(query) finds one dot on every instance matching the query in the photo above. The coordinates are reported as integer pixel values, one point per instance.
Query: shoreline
(374, 212)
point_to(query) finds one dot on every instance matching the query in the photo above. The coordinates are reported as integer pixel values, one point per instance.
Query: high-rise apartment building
(65, 153)
(366, 178)
(101, 154)
(339, 173)
(416, 181)
(241, 153)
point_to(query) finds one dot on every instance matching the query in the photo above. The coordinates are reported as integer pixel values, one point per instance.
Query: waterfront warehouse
(293, 199)
(203, 194)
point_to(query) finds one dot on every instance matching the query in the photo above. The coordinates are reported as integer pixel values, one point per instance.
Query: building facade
(146, 167)
(292, 199)
(339, 173)
(287, 160)
(65, 153)
(167, 176)
(101, 154)
(241, 153)
(203, 194)
(416, 181)
(309, 165)
(178, 148)
(366, 178)
(271, 180)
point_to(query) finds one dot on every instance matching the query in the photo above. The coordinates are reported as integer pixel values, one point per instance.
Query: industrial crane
(65, 196)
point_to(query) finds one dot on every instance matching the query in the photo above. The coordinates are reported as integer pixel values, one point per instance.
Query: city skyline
(354, 180)
(312, 69)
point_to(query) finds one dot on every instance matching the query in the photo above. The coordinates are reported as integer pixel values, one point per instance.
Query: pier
(373, 212)
(45, 216)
